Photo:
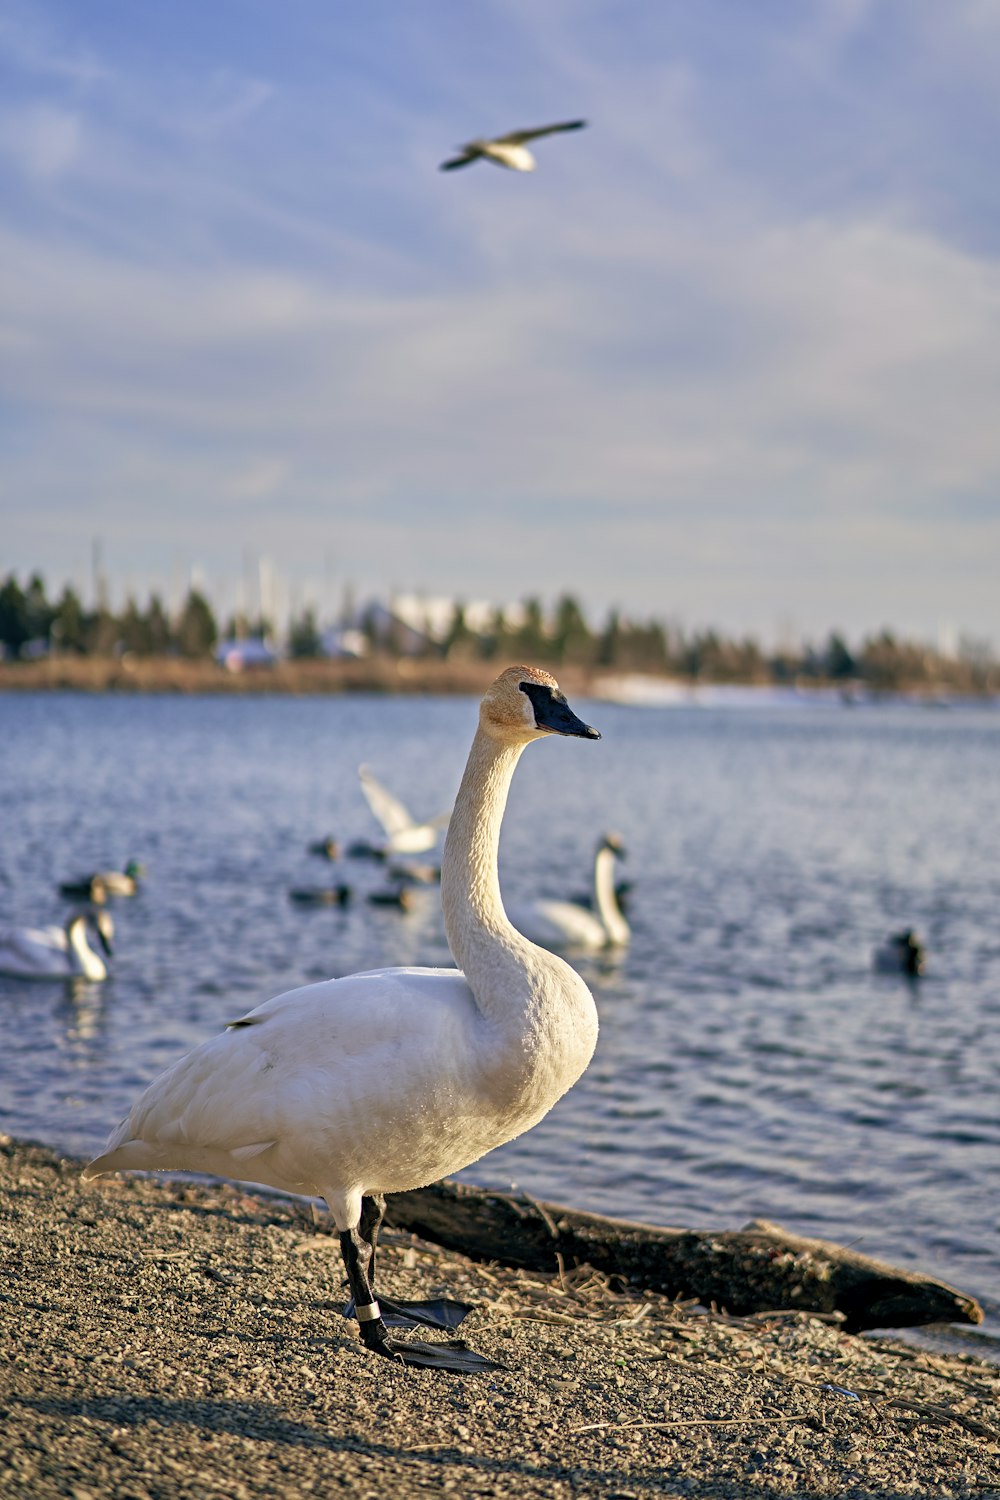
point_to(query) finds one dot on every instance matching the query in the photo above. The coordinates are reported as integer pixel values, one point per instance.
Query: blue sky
(730, 356)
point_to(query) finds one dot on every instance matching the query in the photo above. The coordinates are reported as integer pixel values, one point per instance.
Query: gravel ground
(169, 1339)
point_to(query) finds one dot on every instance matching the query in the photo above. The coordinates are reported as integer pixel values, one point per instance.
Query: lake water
(750, 1062)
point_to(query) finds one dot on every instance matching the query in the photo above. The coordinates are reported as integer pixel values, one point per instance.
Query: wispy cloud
(41, 141)
(732, 337)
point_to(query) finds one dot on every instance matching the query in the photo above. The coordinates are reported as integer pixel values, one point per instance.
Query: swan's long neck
(529, 996)
(86, 960)
(605, 900)
(470, 884)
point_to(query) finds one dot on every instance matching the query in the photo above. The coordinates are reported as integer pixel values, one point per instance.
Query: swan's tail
(129, 1156)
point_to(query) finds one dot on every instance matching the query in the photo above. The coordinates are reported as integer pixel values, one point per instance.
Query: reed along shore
(319, 675)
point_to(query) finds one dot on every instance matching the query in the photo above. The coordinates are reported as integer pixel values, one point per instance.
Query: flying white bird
(403, 834)
(507, 150)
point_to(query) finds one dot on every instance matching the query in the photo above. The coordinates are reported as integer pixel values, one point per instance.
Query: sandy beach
(166, 1338)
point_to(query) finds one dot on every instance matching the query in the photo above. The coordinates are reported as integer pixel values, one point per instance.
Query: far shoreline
(416, 676)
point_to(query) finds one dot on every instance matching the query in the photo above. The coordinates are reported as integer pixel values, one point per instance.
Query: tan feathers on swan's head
(505, 711)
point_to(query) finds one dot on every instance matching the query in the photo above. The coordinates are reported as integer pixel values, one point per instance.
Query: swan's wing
(468, 156)
(389, 811)
(29, 938)
(518, 137)
(34, 951)
(302, 1064)
(559, 924)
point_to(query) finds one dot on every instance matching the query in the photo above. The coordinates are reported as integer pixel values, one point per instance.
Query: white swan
(568, 924)
(403, 834)
(384, 1081)
(507, 150)
(57, 952)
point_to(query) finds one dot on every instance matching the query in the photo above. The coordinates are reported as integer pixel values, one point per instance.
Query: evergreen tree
(459, 640)
(571, 638)
(303, 635)
(609, 645)
(69, 623)
(531, 635)
(14, 627)
(496, 637)
(101, 632)
(196, 629)
(158, 631)
(134, 631)
(838, 659)
(38, 611)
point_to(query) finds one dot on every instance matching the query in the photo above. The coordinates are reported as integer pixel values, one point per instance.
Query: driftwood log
(761, 1268)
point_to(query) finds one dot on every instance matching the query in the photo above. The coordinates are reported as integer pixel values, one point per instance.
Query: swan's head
(614, 844)
(525, 703)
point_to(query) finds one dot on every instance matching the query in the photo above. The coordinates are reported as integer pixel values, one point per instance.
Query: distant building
(243, 655)
(413, 624)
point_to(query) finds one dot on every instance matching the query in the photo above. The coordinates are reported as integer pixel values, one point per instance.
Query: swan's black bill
(553, 713)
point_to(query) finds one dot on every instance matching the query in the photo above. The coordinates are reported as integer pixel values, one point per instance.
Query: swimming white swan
(507, 150)
(57, 952)
(384, 1081)
(403, 834)
(567, 924)
(901, 954)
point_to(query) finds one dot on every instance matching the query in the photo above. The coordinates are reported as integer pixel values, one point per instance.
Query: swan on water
(507, 150)
(901, 954)
(403, 834)
(58, 952)
(384, 1081)
(101, 884)
(568, 924)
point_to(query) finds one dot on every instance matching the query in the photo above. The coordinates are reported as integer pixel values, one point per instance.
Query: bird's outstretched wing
(517, 137)
(465, 160)
(390, 812)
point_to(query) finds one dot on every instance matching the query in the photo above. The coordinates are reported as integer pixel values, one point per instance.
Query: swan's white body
(56, 952)
(384, 1081)
(507, 150)
(403, 834)
(567, 924)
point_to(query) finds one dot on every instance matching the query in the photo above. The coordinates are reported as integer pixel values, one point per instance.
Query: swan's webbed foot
(439, 1312)
(375, 1337)
(456, 1357)
(358, 1246)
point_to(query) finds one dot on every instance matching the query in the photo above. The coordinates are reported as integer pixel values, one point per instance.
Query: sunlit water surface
(750, 1063)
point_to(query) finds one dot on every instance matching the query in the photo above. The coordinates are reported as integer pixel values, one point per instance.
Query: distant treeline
(32, 625)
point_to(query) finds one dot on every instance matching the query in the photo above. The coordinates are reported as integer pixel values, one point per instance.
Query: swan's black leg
(358, 1249)
(441, 1312)
(372, 1214)
(357, 1253)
